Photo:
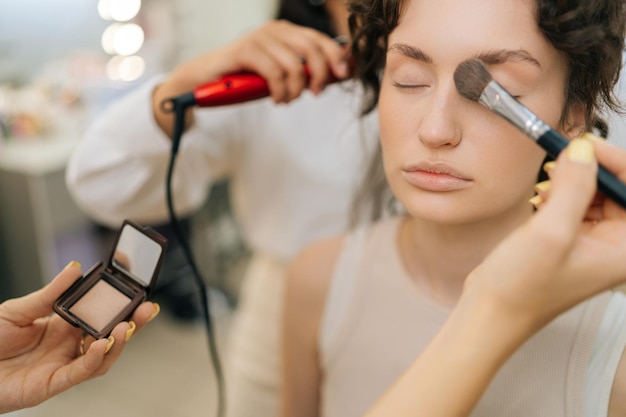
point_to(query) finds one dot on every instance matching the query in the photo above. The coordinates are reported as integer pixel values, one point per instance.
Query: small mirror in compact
(136, 255)
(109, 294)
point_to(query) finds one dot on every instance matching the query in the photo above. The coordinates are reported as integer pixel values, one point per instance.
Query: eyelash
(516, 96)
(418, 86)
(408, 86)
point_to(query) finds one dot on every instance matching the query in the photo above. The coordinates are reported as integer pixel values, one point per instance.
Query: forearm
(165, 118)
(184, 79)
(450, 376)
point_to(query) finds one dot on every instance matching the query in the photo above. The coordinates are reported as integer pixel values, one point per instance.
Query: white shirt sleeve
(118, 169)
(617, 122)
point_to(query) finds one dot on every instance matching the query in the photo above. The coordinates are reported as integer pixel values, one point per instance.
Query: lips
(438, 177)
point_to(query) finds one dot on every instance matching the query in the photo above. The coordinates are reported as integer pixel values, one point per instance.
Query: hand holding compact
(40, 353)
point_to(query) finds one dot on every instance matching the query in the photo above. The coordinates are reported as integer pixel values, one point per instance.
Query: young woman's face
(449, 159)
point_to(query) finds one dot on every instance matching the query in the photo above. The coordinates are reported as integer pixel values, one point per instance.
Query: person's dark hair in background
(309, 13)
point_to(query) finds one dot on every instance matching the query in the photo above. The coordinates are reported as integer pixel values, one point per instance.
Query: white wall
(206, 24)
(617, 123)
(35, 32)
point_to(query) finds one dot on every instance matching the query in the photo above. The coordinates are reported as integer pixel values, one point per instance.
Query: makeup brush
(474, 81)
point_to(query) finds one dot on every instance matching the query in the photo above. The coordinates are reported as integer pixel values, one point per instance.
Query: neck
(439, 257)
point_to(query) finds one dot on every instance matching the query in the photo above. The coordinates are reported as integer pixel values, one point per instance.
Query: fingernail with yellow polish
(72, 263)
(581, 150)
(590, 136)
(536, 200)
(110, 345)
(549, 166)
(543, 186)
(157, 310)
(129, 333)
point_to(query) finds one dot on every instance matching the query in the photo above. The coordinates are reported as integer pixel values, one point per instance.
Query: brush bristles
(471, 77)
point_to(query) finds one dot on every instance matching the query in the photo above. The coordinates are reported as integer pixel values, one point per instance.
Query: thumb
(573, 187)
(24, 310)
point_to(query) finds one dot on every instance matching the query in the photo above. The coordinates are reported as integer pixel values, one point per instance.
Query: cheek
(514, 165)
(389, 128)
(397, 121)
(496, 146)
(389, 146)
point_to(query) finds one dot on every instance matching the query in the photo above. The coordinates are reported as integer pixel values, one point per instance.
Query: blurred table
(41, 229)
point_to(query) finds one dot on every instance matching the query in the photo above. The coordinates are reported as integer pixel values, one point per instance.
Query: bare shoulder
(317, 260)
(309, 276)
(617, 404)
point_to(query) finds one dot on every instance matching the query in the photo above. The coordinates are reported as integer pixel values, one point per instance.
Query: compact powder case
(109, 294)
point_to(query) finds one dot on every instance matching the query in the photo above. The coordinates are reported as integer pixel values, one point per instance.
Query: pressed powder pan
(108, 294)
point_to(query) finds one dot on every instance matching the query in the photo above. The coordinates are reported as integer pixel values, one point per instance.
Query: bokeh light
(125, 68)
(118, 10)
(122, 39)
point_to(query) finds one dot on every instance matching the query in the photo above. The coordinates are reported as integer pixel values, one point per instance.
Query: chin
(441, 212)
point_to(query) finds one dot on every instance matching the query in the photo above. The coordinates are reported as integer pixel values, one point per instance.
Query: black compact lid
(138, 254)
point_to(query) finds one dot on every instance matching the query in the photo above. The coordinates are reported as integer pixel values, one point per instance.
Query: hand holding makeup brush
(573, 248)
(40, 353)
(577, 239)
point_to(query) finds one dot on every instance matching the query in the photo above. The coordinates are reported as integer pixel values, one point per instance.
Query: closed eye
(402, 86)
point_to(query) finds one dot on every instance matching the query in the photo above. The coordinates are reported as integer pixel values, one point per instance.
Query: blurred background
(61, 63)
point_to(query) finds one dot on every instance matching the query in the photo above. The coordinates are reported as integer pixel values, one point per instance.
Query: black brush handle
(611, 186)
(608, 183)
(552, 142)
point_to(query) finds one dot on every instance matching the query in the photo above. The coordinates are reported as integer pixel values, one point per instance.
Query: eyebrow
(506, 55)
(411, 52)
(495, 57)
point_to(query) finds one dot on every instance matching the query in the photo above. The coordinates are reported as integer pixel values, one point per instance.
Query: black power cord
(178, 106)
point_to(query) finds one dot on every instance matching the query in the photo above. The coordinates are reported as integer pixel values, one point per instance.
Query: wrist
(494, 321)
(163, 118)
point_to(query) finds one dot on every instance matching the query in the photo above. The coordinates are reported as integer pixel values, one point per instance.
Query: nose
(439, 126)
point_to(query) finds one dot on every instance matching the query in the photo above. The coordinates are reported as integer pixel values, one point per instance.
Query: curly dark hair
(590, 34)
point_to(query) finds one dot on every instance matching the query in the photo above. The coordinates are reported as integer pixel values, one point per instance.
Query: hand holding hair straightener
(473, 81)
(239, 87)
(231, 89)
